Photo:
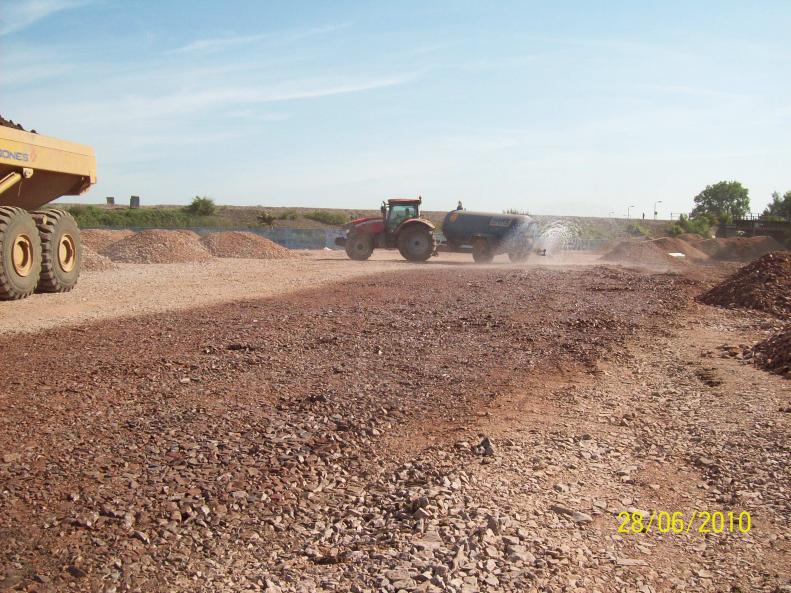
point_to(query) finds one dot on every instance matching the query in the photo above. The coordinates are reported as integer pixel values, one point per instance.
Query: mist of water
(558, 235)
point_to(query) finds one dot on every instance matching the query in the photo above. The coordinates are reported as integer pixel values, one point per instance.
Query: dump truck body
(59, 168)
(40, 250)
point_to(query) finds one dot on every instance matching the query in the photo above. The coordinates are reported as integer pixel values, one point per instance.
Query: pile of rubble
(8, 123)
(774, 354)
(763, 285)
(101, 239)
(158, 247)
(95, 262)
(241, 244)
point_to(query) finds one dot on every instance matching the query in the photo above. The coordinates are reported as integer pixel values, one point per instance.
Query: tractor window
(399, 213)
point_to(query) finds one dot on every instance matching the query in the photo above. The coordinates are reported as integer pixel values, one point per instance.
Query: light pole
(628, 216)
(655, 203)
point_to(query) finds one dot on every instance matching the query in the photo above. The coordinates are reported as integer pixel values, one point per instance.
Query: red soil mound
(645, 253)
(763, 285)
(690, 237)
(677, 245)
(739, 248)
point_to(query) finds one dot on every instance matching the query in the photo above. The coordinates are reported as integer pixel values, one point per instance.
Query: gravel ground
(134, 289)
(436, 428)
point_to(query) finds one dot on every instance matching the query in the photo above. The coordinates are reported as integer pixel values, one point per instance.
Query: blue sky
(551, 107)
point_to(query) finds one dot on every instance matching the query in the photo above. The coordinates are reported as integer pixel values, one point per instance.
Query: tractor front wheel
(359, 247)
(518, 257)
(416, 243)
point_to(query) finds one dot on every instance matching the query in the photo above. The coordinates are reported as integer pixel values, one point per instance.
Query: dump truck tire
(416, 243)
(20, 254)
(359, 247)
(61, 250)
(482, 252)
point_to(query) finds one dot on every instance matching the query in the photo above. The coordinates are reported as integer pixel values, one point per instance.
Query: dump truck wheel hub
(22, 258)
(67, 253)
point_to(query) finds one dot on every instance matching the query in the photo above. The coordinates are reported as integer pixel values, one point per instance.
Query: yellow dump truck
(39, 249)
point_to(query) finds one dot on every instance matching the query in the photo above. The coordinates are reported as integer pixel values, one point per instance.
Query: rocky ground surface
(435, 430)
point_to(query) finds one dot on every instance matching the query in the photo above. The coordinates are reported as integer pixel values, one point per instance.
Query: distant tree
(202, 206)
(779, 207)
(724, 201)
(266, 219)
(700, 225)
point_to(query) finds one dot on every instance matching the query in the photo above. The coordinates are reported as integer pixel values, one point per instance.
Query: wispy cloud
(19, 15)
(185, 102)
(216, 44)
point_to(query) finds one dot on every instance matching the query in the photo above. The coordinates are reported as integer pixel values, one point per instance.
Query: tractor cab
(397, 210)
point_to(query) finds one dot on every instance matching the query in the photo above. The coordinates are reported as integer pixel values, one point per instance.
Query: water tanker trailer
(489, 234)
(39, 249)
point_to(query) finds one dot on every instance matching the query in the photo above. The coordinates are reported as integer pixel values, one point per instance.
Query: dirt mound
(774, 354)
(243, 245)
(763, 285)
(94, 262)
(677, 245)
(739, 248)
(157, 247)
(101, 239)
(691, 237)
(645, 253)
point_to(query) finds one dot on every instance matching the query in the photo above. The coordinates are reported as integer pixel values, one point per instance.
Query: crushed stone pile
(763, 285)
(8, 123)
(157, 247)
(646, 253)
(95, 262)
(739, 248)
(774, 354)
(243, 244)
(678, 245)
(101, 239)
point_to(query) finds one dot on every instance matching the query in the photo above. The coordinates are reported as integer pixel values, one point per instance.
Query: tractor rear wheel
(416, 243)
(482, 252)
(61, 250)
(359, 247)
(20, 254)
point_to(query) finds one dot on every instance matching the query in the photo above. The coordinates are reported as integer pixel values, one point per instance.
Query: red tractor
(399, 227)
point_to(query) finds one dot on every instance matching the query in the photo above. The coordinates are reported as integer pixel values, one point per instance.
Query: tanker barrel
(461, 227)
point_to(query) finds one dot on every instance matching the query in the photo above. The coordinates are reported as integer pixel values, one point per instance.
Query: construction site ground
(317, 424)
